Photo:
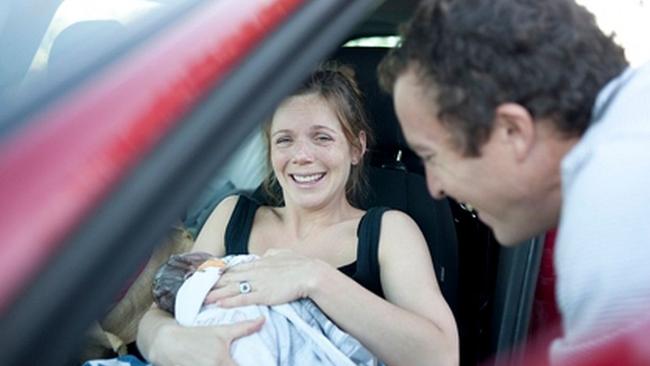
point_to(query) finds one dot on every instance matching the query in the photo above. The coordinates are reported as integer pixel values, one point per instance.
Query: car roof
(385, 20)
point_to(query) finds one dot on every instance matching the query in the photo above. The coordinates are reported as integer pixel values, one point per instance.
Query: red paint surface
(62, 165)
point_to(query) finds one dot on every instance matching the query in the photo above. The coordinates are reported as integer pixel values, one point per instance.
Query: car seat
(463, 250)
(395, 173)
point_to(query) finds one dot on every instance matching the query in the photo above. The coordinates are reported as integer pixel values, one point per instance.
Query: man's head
(492, 94)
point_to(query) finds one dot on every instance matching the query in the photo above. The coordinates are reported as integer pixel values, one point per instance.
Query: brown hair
(336, 84)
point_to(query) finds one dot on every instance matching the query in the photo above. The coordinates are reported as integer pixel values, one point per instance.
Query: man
(525, 110)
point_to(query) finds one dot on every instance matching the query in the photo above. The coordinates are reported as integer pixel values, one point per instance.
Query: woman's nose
(302, 153)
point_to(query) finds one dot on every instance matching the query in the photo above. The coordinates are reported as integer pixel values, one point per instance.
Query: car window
(80, 26)
(384, 41)
(243, 172)
(43, 49)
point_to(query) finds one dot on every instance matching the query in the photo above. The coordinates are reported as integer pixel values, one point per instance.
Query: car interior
(466, 257)
(490, 289)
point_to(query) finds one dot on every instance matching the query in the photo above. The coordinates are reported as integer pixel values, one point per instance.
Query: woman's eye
(282, 140)
(323, 138)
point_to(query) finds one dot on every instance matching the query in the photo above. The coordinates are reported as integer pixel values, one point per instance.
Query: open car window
(83, 29)
(49, 48)
(96, 165)
(243, 172)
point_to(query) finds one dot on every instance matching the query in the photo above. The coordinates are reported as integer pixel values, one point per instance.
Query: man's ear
(516, 128)
(357, 153)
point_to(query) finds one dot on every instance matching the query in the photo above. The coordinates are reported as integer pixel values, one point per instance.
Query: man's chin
(511, 238)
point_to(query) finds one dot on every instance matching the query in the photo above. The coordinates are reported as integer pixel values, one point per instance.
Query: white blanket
(297, 333)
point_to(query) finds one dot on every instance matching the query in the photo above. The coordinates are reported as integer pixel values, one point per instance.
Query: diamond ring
(245, 287)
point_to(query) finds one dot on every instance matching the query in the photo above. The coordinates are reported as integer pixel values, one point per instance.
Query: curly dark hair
(336, 84)
(548, 56)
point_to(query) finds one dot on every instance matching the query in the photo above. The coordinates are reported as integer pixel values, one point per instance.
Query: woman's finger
(222, 292)
(244, 267)
(251, 298)
(242, 329)
(230, 279)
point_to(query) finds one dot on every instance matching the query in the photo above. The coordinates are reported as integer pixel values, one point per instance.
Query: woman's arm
(164, 342)
(414, 327)
(172, 344)
(211, 236)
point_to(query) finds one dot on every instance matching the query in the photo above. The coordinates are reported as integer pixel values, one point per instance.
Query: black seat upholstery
(396, 174)
(463, 249)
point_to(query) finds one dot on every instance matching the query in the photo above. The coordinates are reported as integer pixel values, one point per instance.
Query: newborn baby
(297, 333)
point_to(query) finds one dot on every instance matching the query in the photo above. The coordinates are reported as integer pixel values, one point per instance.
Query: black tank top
(365, 270)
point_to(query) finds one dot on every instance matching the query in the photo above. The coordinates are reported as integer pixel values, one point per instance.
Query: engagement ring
(245, 287)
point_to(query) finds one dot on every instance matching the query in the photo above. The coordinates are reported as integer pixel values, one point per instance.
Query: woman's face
(310, 154)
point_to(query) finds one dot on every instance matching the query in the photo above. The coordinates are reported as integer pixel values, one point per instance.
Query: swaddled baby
(296, 333)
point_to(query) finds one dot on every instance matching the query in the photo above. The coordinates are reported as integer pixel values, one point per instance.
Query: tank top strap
(368, 232)
(240, 225)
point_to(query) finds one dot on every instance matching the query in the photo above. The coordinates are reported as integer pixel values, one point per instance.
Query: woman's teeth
(307, 178)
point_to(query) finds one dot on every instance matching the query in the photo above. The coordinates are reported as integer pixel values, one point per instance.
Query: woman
(370, 272)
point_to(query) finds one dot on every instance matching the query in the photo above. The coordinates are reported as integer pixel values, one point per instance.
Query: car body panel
(83, 163)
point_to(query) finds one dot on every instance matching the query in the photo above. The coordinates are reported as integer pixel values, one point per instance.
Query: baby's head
(172, 274)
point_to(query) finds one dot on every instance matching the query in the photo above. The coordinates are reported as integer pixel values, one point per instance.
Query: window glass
(244, 172)
(77, 23)
(388, 42)
(42, 47)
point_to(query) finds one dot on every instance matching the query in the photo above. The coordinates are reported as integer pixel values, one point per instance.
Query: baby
(296, 333)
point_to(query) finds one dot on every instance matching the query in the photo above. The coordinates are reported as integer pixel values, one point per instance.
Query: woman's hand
(197, 346)
(278, 277)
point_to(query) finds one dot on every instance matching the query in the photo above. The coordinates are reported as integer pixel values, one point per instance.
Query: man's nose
(434, 185)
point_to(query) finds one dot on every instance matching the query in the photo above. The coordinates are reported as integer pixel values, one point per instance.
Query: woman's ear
(358, 152)
(516, 128)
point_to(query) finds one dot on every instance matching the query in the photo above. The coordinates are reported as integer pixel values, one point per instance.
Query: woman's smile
(307, 180)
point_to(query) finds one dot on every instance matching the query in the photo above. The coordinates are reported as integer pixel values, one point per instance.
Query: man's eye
(282, 140)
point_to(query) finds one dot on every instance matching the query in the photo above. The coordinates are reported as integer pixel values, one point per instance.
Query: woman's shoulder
(210, 238)
(399, 230)
(226, 208)
(393, 218)
(228, 203)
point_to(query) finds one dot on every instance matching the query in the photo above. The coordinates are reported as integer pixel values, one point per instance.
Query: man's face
(494, 183)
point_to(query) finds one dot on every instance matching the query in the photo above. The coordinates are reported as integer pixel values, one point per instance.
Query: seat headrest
(389, 140)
